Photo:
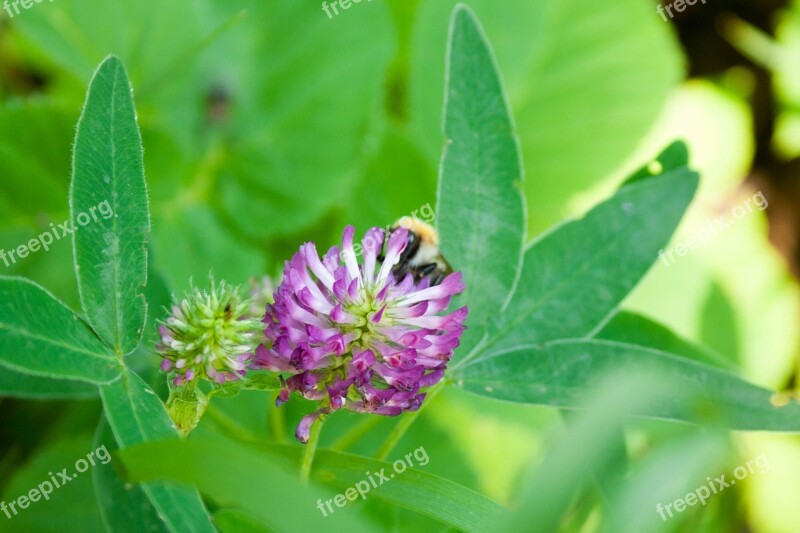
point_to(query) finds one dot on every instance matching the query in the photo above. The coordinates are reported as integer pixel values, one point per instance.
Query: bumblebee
(421, 256)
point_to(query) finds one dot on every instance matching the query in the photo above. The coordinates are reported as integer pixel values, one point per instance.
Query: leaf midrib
(46, 340)
(114, 200)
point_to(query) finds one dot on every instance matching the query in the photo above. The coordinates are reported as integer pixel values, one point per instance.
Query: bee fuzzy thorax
(426, 233)
(421, 256)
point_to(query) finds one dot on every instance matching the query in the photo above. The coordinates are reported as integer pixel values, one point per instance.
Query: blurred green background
(267, 124)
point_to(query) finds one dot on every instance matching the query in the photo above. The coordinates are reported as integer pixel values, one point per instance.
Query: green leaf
(674, 156)
(69, 507)
(15, 384)
(631, 328)
(294, 100)
(233, 521)
(414, 489)
(481, 213)
(191, 242)
(109, 210)
(238, 473)
(39, 335)
(574, 278)
(562, 474)
(560, 373)
(575, 72)
(124, 507)
(718, 327)
(240, 478)
(136, 415)
(34, 155)
(669, 472)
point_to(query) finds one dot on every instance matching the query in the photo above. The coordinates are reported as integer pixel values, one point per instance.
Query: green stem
(405, 422)
(277, 424)
(310, 450)
(231, 426)
(356, 433)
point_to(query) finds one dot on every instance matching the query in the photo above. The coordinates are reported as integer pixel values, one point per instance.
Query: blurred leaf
(189, 244)
(414, 489)
(15, 384)
(124, 507)
(574, 277)
(136, 415)
(569, 463)
(305, 129)
(585, 82)
(70, 507)
(669, 472)
(771, 497)
(718, 327)
(108, 176)
(39, 335)
(77, 35)
(233, 521)
(481, 213)
(34, 160)
(243, 479)
(630, 328)
(558, 374)
(752, 274)
(397, 181)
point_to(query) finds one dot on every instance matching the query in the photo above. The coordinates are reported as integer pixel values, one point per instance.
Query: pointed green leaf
(481, 213)
(560, 374)
(673, 157)
(109, 210)
(631, 328)
(136, 415)
(39, 335)
(574, 278)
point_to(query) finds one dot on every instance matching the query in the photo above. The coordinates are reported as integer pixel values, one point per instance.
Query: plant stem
(310, 450)
(277, 424)
(231, 426)
(356, 433)
(405, 422)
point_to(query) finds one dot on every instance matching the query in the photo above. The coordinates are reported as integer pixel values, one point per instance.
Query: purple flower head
(352, 335)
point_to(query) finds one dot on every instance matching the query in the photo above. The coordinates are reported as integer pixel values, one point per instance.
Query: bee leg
(429, 270)
(399, 271)
(438, 278)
